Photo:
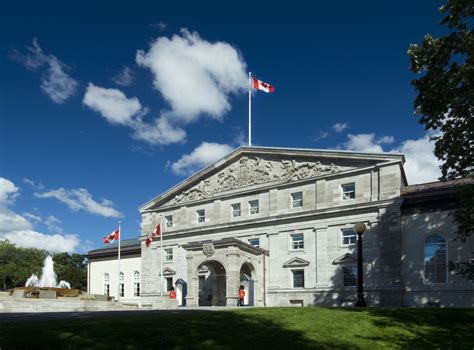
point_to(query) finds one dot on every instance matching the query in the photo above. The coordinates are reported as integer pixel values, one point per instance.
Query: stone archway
(212, 283)
(247, 280)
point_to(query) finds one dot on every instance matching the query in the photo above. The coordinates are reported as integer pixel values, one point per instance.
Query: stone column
(192, 293)
(233, 276)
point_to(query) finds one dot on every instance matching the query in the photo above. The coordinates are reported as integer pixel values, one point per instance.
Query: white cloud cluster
(81, 199)
(124, 77)
(340, 127)
(203, 155)
(366, 142)
(194, 76)
(421, 163)
(118, 109)
(55, 81)
(19, 230)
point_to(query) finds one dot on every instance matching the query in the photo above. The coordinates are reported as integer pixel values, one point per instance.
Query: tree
(71, 268)
(445, 104)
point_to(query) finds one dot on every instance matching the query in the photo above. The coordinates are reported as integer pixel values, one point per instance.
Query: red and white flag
(260, 85)
(156, 233)
(112, 237)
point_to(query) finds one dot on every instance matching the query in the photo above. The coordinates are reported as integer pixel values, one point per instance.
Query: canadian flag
(112, 237)
(260, 85)
(156, 233)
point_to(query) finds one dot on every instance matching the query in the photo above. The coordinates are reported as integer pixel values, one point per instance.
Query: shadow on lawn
(431, 328)
(177, 330)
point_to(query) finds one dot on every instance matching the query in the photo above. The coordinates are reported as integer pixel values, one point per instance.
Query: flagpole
(250, 109)
(120, 238)
(161, 256)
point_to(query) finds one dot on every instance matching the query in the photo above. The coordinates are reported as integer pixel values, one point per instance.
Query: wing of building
(279, 223)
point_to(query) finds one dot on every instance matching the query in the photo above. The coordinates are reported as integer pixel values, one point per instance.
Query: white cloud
(421, 163)
(51, 243)
(81, 199)
(322, 135)
(17, 229)
(203, 155)
(124, 77)
(161, 26)
(340, 127)
(55, 82)
(118, 109)
(195, 76)
(363, 143)
(113, 105)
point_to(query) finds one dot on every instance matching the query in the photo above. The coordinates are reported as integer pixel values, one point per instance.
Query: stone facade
(295, 246)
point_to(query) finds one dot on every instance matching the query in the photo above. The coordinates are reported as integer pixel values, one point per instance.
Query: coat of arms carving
(208, 249)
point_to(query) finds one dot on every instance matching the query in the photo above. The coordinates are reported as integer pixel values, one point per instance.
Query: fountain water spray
(48, 277)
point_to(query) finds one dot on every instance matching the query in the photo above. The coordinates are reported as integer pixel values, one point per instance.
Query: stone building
(279, 221)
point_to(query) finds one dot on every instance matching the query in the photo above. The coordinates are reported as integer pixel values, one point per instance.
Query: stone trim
(296, 262)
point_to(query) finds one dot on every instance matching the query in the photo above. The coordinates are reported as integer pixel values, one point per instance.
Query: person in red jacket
(172, 293)
(241, 296)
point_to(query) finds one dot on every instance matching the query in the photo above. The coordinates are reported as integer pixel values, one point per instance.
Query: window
(349, 237)
(255, 242)
(169, 254)
(435, 259)
(136, 284)
(201, 215)
(349, 276)
(235, 210)
(169, 220)
(297, 241)
(169, 283)
(348, 191)
(297, 200)
(121, 285)
(106, 284)
(253, 207)
(298, 278)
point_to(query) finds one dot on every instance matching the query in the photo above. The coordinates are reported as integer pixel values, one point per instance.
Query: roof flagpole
(250, 109)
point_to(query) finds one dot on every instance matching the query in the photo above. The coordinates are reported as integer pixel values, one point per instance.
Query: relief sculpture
(248, 172)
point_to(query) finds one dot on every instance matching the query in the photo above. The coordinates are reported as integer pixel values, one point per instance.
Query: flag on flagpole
(111, 238)
(260, 85)
(153, 234)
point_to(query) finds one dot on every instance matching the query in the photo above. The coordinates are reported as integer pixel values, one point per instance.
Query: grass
(263, 328)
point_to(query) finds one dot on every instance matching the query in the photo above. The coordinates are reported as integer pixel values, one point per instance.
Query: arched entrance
(247, 272)
(211, 284)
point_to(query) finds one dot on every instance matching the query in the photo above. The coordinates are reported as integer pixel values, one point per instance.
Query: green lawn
(265, 328)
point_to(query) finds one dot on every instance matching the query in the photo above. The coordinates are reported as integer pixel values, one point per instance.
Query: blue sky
(104, 106)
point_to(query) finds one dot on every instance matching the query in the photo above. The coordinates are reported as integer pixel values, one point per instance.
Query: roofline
(243, 149)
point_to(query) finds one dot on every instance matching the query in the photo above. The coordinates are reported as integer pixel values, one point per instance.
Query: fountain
(48, 277)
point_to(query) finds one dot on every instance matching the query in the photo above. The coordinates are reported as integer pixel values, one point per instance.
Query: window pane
(348, 236)
(169, 220)
(236, 210)
(297, 199)
(253, 206)
(349, 276)
(348, 191)
(255, 242)
(297, 241)
(201, 215)
(435, 259)
(298, 279)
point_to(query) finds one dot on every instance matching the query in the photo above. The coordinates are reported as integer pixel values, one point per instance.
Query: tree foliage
(445, 104)
(17, 264)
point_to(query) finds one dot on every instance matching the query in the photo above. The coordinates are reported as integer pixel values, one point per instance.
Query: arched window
(122, 285)
(435, 259)
(106, 284)
(136, 284)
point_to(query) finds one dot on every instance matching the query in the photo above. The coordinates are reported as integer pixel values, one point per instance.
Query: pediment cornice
(296, 262)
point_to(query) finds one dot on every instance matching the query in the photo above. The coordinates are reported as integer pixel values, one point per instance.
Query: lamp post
(360, 228)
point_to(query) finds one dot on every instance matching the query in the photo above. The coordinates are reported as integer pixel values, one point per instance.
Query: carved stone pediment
(347, 258)
(168, 272)
(249, 171)
(296, 262)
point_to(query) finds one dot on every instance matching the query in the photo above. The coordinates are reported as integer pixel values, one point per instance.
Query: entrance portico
(224, 259)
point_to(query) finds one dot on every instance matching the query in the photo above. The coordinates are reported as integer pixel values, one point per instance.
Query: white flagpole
(161, 256)
(120, 238)
(250, 109)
